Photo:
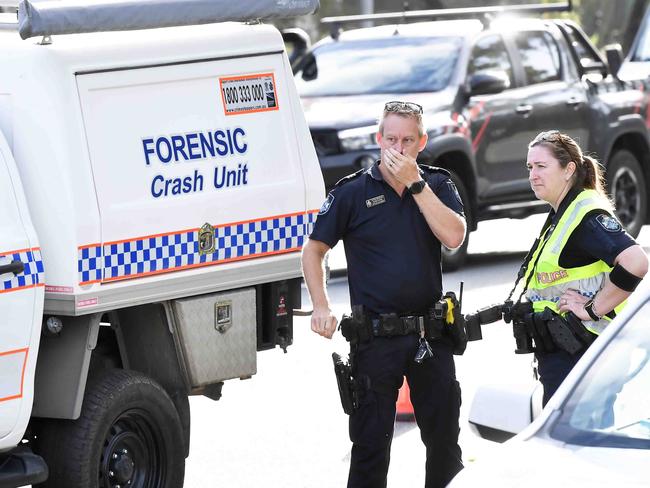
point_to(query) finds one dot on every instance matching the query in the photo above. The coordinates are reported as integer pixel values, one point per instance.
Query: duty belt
(387, 325)
(442, 320)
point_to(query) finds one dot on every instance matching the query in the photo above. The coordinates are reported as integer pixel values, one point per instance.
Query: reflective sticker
(454, 190)
(12, 365)
(326, 205)
(374, 201)
(610, 224)
(250, 93)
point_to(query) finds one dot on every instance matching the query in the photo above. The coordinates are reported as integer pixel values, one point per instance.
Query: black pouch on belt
(542, 336)
(561, 333)
(578, 328)
(356, 328)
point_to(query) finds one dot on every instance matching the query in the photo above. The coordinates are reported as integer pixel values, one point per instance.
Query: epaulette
(348, 178)
(434, 169)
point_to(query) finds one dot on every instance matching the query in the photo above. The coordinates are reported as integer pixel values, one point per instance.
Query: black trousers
(435, 395)
(553, 367)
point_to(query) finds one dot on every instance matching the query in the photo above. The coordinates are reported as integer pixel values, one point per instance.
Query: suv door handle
(573, 101)
(15, 267)
(524, 109)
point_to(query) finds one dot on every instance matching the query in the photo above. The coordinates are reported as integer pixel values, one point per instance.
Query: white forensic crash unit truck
(156, 187)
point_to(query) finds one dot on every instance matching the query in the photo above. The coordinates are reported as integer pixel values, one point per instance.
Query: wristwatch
(417, 187)
(589, 308)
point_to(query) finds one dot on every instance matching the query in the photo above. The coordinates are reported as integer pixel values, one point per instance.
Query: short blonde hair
(408, 110)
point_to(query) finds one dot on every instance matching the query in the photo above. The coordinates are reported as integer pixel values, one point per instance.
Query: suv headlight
(358, 138)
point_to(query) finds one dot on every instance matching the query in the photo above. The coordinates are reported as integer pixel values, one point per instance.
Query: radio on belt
(157, 183)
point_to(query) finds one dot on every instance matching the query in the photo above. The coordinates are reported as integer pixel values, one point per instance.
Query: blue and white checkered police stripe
(177, 251)
(32, 274)
(89, 264)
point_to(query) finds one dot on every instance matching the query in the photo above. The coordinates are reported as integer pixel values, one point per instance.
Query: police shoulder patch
(610, 224)
(327, 204)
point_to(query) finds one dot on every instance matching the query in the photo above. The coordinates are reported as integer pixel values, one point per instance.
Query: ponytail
(592, 175)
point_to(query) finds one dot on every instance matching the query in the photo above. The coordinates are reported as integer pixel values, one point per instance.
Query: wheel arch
(454, 153)
(134, 338)
(638, 145)
(146, 344)
(458, 163)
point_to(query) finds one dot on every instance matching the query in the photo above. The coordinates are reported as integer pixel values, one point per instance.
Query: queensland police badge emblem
(206, 239)
(610, 224)
(326, 205)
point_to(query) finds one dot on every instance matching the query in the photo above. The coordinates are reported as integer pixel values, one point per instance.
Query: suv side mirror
(614, 53)
(591, 66)
(297, 42)
(488, 82)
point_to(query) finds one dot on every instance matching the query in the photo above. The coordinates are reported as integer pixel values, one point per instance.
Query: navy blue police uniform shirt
(393, 257)
(599, 237)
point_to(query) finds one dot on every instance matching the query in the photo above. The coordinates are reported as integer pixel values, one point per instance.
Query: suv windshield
(611, 405)
(393, 65)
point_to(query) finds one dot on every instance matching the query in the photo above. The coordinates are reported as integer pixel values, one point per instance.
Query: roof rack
(447, 13)
(45, 18)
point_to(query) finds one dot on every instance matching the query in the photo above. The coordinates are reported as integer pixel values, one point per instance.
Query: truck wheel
(626, 185)
(128, 435)
(453, 259)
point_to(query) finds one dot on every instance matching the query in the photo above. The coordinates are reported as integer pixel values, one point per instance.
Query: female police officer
(392, 219)
(585, 262)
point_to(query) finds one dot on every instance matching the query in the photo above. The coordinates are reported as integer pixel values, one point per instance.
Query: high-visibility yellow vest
(550, 280)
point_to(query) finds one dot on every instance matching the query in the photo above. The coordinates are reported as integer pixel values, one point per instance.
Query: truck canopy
(130, 93)
(73, 17)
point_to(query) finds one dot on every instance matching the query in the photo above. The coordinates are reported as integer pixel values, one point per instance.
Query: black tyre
(453, 259)
(128, 435)
(626, 185)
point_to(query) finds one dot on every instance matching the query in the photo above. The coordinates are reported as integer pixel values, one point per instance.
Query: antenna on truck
(448, 13)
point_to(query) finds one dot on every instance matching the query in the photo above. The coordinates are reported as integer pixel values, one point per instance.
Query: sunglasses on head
(408, 107)
(553, 136)
(549, 136)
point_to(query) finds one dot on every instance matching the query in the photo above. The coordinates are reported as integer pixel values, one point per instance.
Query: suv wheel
(128, 435)
(453, 259)
(626, 184)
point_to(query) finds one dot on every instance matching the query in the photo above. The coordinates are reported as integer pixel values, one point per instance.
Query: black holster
(550, 332)
(346, 383)
(454, 329)
(578, 337)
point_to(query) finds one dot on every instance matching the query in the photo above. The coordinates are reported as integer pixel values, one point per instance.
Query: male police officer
(392, 219)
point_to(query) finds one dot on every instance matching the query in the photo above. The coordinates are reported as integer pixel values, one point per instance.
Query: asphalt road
(285, 427)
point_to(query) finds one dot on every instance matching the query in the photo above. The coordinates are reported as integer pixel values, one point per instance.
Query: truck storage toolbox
(230, 352)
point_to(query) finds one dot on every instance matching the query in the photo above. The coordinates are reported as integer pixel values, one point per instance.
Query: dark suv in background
(487, 89)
